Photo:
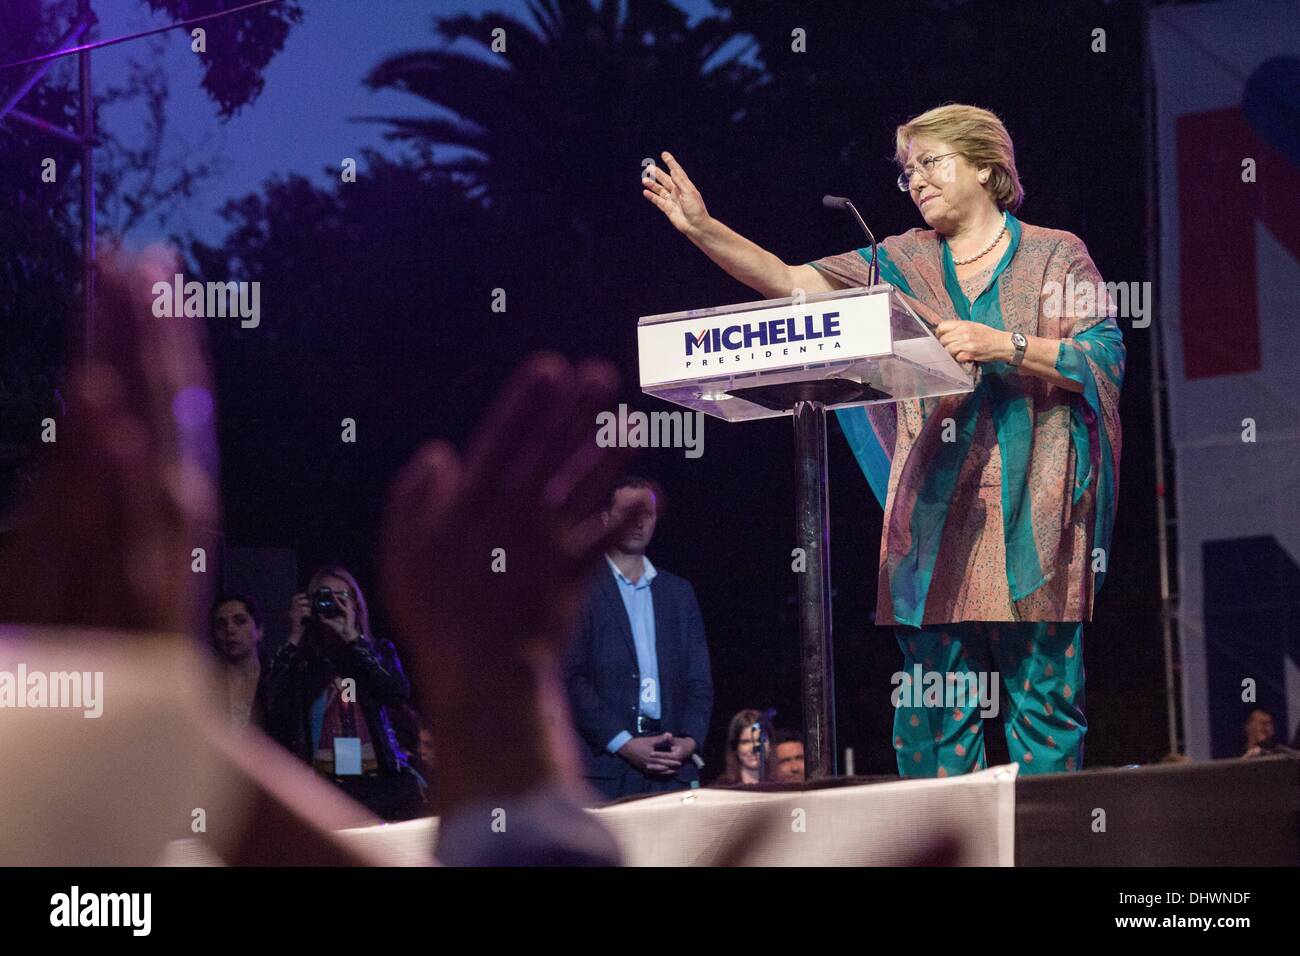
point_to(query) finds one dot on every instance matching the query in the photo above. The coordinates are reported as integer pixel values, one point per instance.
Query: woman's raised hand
(674, 193)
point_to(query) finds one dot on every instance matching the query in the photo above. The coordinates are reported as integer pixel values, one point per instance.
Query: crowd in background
(638, 679)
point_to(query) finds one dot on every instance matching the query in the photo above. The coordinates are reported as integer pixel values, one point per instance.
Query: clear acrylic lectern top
(753, 360)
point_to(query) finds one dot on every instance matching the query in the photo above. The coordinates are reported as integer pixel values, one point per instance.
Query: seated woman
(743, 760)
(329, 690)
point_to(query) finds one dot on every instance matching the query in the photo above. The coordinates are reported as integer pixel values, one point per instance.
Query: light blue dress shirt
(641, 614)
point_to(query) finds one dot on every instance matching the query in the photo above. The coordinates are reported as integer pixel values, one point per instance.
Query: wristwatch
(1021, 343)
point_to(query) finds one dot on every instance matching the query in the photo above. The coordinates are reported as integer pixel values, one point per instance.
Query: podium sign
(754, 360)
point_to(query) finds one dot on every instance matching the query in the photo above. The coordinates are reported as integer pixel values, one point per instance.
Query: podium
(800, 356)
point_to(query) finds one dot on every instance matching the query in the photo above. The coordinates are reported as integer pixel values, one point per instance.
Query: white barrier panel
(879, 824)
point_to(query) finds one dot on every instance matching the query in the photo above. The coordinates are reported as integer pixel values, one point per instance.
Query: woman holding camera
(328, 694)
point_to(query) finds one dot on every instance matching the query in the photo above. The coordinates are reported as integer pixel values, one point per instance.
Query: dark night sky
(304, 120)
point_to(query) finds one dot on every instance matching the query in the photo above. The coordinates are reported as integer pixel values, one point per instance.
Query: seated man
(785, 765)
(1260, 732)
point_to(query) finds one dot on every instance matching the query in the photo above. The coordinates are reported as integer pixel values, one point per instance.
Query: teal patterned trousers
(1029, 672)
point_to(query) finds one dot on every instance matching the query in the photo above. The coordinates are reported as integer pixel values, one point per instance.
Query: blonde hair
(358, 596)
(981, 139)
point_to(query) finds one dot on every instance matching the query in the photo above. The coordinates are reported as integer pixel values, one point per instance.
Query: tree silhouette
(551, 131)
(238, 47)
(38, 253)
(39, 246)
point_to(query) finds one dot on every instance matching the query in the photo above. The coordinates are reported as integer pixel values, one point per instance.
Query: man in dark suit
(638, 674)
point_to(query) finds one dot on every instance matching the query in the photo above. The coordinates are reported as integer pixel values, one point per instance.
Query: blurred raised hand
(485, 562)
(488, 557)
(105, 538)
(105, 541)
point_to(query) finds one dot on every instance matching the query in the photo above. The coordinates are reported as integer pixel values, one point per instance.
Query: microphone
(764, 739)
(839, 202)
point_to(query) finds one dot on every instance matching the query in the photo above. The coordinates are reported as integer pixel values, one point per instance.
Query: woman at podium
(999, 503)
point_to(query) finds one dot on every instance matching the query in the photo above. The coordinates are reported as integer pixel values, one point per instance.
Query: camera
(323, 604)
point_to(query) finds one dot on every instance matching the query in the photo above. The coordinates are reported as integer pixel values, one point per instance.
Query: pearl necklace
(983, 252)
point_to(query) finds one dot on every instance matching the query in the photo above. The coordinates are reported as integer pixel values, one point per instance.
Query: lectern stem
(812, 528)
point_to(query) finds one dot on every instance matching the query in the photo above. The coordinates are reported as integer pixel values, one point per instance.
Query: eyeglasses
(926, 170)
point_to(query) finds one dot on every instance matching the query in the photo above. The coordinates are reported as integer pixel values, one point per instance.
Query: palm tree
(551, 129)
